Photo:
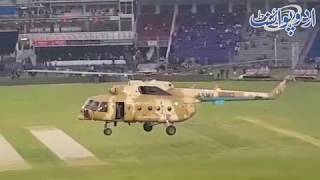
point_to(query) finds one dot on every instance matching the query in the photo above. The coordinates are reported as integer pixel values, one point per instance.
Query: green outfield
(265, 140)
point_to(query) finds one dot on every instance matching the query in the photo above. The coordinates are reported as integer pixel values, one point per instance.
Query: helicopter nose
(84, 114)
(81, 117)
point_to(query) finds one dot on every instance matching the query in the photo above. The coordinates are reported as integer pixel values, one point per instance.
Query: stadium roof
(218, 1)
(62, 1)
(145, 1)
(7, 3)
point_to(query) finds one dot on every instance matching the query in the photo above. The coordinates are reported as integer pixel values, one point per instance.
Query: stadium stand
(82, 53)
(207, 37)
(154, 25)
(188, 34)
(69, 30)
(259, 45)
(8, 34)
(8, 41)
(314, 52)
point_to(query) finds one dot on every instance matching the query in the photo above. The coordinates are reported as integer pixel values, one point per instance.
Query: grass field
(215, 144)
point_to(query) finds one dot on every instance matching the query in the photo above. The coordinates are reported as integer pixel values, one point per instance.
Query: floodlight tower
(275, 49)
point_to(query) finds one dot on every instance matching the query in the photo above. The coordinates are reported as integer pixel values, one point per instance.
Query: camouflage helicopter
(155, 102)
(159, 102)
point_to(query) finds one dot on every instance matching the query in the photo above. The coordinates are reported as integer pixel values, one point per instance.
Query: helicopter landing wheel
(147, 126)
(107, 131)
(171, 130)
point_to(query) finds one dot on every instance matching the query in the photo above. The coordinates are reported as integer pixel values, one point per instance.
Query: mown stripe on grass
(10, 159)
(64, 146)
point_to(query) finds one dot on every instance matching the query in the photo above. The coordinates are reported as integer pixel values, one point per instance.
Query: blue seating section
(8, 41)
(209, 37)
(315, 49)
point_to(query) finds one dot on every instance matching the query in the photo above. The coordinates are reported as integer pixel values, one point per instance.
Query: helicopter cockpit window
(89, 103)
(153, 90)
(92, 105)
(103, 107)
(95, 106)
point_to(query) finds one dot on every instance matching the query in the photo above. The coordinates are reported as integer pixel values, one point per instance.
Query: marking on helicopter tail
(65, 147)
(293, 134)
(10, 159)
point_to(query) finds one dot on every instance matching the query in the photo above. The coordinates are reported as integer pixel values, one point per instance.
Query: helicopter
(155, 102)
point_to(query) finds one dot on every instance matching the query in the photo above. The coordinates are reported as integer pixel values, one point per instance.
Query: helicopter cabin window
(103, 107)
(153, 90)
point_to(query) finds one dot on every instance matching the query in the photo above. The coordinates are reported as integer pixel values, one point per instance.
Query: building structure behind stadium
(124, 33)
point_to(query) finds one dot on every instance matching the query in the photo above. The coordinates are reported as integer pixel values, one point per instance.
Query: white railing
(111, 35)
(86, 62)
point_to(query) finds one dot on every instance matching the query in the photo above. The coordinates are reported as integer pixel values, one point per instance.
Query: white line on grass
(289, 133)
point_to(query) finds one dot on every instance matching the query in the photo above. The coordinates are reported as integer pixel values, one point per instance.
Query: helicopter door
(119, 110)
